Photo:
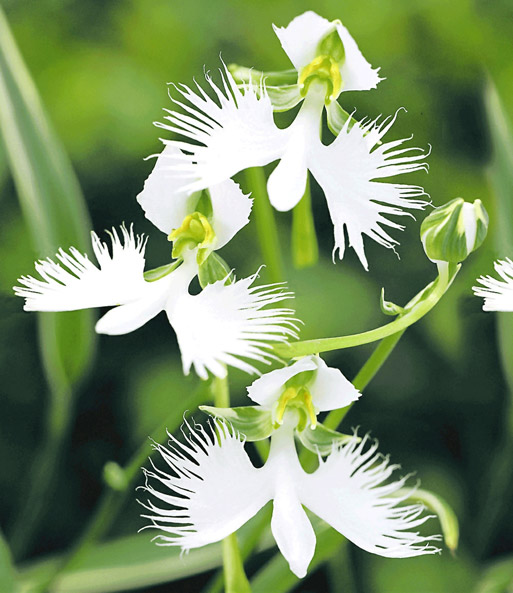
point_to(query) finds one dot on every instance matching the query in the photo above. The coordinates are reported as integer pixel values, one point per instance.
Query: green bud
(115, 476)
(254, 422)
(213, 269)
(450, 233)
(331, 45)
(322, 440)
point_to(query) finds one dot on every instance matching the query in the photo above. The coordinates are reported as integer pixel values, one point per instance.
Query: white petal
(292, 531)
(347, 492)
(267, 389)
(76, 283)
(287, 182)
(330, 390)
(162, 200)
(223, 137)
(225, 323)
(357, 74)
(348, 170)
(230, 211)
(213, 488)
(132, 316)
(497, 293)
(301, 37)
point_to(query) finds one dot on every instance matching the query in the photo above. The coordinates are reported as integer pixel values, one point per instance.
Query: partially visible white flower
(213, 489)
(225, 323)
(214, 328)
(497, 293)
(308, 383)
(238, 132)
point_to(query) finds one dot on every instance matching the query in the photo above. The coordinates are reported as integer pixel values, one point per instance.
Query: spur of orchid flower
(497, 292)
(223, 324)
(237, 131)
(213, 489)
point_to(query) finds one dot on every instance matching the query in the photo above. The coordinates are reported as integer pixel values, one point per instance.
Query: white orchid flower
(308, 385)
(237, 131)
(213, 489)
(214, 328)
(497, 293)
(172, 210)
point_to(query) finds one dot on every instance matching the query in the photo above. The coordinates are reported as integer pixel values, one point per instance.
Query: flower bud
(450, 233)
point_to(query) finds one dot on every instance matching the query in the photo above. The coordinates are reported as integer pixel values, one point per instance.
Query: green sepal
(281, 87)
(446, 516)
(254, 422)
(158, 273)
(204, 204)
(213, 269)
(444, 232)
(322, 440)
(389, 308)
(277, 78)
(337, 117)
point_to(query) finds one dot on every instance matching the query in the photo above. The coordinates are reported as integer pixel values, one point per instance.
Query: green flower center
(299, 399)
(194, 232)
(324, 69)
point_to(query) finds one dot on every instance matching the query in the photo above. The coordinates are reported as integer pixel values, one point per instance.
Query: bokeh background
(441, 404)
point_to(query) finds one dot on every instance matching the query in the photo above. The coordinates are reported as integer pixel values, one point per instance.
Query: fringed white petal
(212, 488)
(497, 293)
(348, 492)
(348, 171)
(224, 324)
(74, 282)
(230, 211)
(301, 37)
(267, 389)
(162, 200)
(330, 390)
(225, 136)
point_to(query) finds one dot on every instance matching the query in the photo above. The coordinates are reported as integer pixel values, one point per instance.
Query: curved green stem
(235, 580)
(415, 310)
(265, 223)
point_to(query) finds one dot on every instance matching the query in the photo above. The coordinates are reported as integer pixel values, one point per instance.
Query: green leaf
(8, 581)
(322, 440)
(51, 201)
(161, 271)
(253, 422)
(55, 213)
(497, 578)
(446, 516)
(213, 269)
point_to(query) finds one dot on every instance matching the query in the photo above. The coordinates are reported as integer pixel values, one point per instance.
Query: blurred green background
(441, 405)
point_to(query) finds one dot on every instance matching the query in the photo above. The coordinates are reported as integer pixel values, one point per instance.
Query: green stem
(416, 312)
(365, 376)
(305, 250)
(235, 580)
(112, 500)
(267, 231)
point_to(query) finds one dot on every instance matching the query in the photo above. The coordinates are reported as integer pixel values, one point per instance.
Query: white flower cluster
(213, 488)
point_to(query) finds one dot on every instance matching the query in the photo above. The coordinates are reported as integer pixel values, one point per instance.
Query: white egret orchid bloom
(308, 385)
(497, 293)
(172, 210)
(238, 131)
(214, 489)
(214, 328)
